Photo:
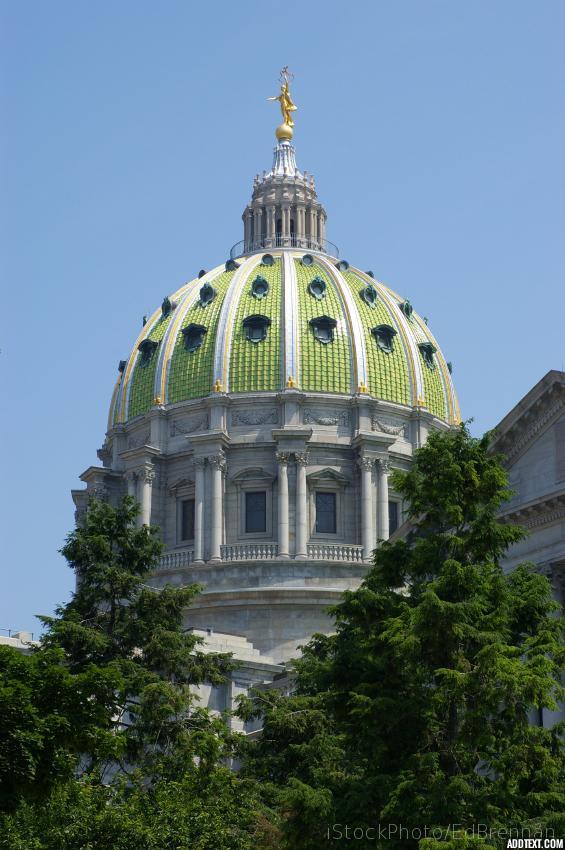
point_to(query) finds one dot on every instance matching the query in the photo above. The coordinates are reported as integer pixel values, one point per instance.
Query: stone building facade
(257, 420)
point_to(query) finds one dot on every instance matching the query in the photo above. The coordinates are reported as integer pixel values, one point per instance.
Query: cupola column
(248, 229)
(198, 508)
(367, 538)
(282, 460)
(382, 496)
(271, 224)
(258, 221)
(313, 228)
(321, 228)
(147, 476)
(301, 506)
(217, 463)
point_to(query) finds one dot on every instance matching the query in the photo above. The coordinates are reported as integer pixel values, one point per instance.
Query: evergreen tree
(418, 709)
(103, 742)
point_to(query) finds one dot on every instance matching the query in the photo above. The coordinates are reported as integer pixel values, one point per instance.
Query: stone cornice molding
(546, 510)
(531, 416)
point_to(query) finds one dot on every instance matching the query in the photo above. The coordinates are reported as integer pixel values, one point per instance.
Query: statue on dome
(284, 131)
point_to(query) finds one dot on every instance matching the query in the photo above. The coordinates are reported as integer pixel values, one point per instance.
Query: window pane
(392, 517)
(325, 513)
(255, 512)
(187, 519)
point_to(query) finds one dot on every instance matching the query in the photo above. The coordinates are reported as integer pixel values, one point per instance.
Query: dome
(286, 318)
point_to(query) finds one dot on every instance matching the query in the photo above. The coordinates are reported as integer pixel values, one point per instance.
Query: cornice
(541, 512)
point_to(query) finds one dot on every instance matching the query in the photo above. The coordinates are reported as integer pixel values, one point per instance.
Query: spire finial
(285, 130)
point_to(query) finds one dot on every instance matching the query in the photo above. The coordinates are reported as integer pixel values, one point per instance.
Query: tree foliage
(103, 742)
(417, 711)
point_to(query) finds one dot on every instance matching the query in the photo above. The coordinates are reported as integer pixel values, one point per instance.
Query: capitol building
(258, 417)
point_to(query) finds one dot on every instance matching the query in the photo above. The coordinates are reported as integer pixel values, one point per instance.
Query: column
(282, 460)
(301, 506)
(286, 225)
(217, 463)
(199, 508)
(313, 230)
(366, 465)
(248, 230)
(320, 227)
(258, 221)
(382, 495)
(271, 225)
(131, 480)
(147, 476)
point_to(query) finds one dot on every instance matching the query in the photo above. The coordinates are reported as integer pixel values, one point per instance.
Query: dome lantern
(284, 211)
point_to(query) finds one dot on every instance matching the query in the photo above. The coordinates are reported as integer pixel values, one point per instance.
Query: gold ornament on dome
(285, 130)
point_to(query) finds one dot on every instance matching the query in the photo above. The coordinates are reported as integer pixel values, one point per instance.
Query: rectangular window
(326, 513)
(392, 517)
(187, 519)
(256, 512)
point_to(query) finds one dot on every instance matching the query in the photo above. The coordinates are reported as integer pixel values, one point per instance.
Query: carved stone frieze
(141, 438)
(389, 426)
(326, 417)
(189, 426)
(255, 417)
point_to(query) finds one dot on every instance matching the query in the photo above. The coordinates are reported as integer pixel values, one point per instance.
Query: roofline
(544, 385)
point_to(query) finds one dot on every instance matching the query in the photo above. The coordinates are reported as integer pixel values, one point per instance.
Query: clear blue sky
(131, 133)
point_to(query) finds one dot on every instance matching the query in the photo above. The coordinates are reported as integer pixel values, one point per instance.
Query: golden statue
(284, 131)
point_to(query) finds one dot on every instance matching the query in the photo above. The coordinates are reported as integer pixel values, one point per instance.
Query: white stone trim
(357, 350)
(224, 333)
(290, 335)
(165, 355)
(407, 334)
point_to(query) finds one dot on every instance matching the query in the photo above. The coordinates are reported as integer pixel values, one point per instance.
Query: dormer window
(407, 309)
(256, 327)
(342, 265)
(370, 274)
(193, 337)
(384, 335)
(317, 288)
(122, 366)
(369, 296)
(259, 288)
(207, 294)
(267, 260)
(428, 350)
(231, 266)
(147, 347)
(307, 260)
(167, 306)
(323, 327)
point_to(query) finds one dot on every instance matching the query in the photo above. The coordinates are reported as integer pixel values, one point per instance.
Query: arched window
(428, 350)
(207, 294)
(384, 336)
(147, 347)
(323, 327)
(256, 327)
(193, 337)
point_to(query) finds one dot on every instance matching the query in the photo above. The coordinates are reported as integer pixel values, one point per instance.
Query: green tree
(422, 698)
(102, 733)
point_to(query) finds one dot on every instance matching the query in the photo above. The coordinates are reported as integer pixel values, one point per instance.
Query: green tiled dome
(279, 320)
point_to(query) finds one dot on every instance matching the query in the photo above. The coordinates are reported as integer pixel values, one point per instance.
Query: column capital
(283, 458)
(199, 461)
(146, 474)
(130, 475)
(365, 462)
(302, 458)
(384, 466)
(217, 461)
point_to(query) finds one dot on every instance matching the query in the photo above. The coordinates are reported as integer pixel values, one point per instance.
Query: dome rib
(412, 354)
(187, 301)
(225, 323)
(290, 337)
(359, 374)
